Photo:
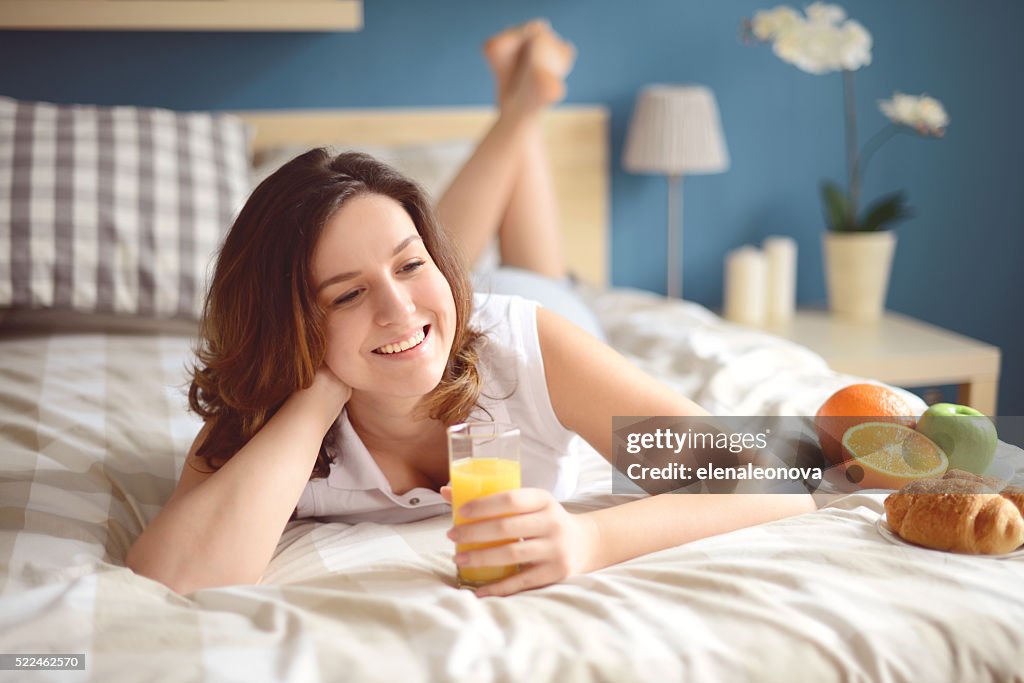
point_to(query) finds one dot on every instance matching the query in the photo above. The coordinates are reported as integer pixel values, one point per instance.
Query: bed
(94, 431)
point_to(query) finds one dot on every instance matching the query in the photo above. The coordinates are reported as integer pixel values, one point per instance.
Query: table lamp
(675, 130)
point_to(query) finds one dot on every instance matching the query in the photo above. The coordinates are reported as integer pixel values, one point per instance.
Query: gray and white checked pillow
(115, 209)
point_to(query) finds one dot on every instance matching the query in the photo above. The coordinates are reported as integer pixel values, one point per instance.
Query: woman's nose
(394, 305)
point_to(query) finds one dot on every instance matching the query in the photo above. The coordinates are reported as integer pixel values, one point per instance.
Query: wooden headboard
(577, 141)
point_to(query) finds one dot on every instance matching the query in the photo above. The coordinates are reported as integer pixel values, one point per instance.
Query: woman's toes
(534, 27)
(554, 54)
(504, 50)
(500, 50)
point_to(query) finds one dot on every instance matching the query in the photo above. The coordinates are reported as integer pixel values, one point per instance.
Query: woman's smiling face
(382, 293)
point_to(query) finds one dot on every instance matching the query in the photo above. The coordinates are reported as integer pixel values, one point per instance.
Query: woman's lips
(408, 353)
(412, 343)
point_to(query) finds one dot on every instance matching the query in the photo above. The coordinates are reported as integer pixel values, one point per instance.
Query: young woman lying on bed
(331, 262)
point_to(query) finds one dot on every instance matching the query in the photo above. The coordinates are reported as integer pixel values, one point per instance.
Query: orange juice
(474, 478)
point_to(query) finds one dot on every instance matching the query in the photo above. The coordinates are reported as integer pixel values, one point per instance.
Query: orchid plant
(823, 41)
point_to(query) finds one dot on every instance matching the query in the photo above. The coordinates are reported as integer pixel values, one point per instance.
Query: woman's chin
(414, 386)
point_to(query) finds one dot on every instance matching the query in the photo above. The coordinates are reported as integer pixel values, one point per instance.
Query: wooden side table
(902, 351)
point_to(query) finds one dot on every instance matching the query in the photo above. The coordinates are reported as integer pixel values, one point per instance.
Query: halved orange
(884, 455)
(853, 405)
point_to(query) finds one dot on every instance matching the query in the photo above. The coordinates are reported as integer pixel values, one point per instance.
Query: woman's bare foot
(503, 51)
(554, 53)
(538, 79)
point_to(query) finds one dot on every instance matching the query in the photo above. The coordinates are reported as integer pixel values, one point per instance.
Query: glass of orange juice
(483, 459)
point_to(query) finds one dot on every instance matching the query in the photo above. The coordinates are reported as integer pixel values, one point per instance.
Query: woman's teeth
(414, 340)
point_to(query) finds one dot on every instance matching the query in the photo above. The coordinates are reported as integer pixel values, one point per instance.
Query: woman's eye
(346, 297)
(410, 267)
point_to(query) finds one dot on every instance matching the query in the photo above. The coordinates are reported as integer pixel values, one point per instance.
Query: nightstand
(902, 351)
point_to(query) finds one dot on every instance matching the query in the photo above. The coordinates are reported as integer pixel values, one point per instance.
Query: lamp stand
(674, 285)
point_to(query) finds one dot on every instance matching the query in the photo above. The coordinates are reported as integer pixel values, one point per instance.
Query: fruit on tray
(883, 455)
(967, 436)
(854, 405)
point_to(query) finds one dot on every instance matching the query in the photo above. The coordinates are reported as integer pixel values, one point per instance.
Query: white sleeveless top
(511, 366)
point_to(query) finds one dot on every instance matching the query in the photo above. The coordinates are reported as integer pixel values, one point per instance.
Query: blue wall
(957, 263)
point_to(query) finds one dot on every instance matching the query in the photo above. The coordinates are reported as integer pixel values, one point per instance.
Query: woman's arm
(589, 383)
(666, 520)
(222, 528)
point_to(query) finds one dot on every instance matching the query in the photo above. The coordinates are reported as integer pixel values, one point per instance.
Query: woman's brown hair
(262, 331)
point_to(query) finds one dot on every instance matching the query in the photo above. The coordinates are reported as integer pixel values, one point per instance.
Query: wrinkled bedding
(93, 432)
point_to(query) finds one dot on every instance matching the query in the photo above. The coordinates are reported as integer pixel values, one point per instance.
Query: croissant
(961, 512)
(991, 482)
(1015, 494)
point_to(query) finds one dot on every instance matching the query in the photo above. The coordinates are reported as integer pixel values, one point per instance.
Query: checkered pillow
(115, 209)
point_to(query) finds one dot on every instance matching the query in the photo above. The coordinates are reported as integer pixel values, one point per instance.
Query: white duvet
(93, 433)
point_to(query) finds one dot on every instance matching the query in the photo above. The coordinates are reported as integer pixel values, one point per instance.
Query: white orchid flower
(809, 47)
(823, 42)
(924, 114)
(856, 48)
(933, 114)
(822, 13)
(770, 24)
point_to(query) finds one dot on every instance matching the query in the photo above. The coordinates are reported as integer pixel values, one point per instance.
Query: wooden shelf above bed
(181, 15)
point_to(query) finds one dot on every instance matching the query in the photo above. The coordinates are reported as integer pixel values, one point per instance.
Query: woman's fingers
(554, 544)
(501, 528)
(517, 552)
(530, 577)
(515, 502)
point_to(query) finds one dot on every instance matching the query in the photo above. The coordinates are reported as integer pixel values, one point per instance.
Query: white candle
(744, 286)
(780, 259)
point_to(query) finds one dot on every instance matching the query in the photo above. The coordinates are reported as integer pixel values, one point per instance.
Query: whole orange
(851, 406)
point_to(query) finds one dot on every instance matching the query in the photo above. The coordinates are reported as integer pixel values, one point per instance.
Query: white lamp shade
(675, 130)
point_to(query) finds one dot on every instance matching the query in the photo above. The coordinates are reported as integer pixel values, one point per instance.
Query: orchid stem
(853, 172)
(872, 145)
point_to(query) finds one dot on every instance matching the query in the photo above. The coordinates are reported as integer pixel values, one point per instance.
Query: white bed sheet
(94, 431)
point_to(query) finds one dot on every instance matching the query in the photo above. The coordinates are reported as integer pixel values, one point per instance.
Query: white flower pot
(857, 267)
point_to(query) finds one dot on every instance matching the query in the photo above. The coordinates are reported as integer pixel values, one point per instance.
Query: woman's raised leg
(506, 187)
(530, 235)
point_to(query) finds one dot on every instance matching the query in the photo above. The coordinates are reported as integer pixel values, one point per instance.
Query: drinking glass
(483, 459)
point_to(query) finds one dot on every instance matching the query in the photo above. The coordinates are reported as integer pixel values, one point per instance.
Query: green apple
(966, 436)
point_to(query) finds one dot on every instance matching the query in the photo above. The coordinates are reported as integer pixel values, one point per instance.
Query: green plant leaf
(837, 207)
(889, 209)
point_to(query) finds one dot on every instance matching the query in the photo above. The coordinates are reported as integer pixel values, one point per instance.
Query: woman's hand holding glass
(553, 542)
